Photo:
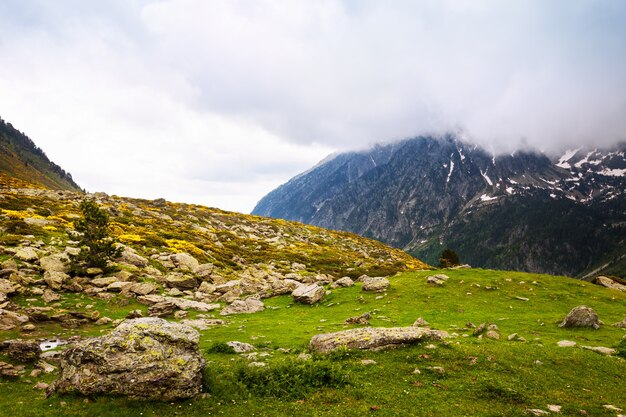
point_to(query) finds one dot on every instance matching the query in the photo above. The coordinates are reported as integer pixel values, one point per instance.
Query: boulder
(6, 287)
(27, 254)
(118, 286)
(55, 279)
(162, 309)
(142, 288)
(247, 306)
(432, 279)
(181, 282)
(9, 320)
(240, 347)
(22, 350)
(601, 350)
(206, 287)
(343, 282)
(420, 322)
(308, 294)
(50, 296)
(228, 286)
(130, 257)
(621, 324)
(185, 304)
(55, 263)
(581, 316)
(103, 282)
(204, 270)
(373, 338)
(375, 284)
(185, 261)
(362, 319)
(609, 283)
(146, 359)
(202, 324)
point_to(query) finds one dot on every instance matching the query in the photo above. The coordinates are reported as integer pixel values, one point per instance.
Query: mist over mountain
(526, 210)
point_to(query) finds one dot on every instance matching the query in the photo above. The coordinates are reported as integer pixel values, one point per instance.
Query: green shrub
(621, 349)
(220, 347)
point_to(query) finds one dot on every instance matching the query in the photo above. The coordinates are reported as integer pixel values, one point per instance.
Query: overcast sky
(218, 102)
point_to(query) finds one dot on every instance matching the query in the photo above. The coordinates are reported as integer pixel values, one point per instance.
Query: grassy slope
(482, 377)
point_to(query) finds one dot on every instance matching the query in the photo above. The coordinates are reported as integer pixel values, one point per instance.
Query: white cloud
(218, 102)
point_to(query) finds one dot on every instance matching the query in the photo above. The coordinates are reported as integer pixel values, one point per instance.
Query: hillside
(21, 159)
(524, 211)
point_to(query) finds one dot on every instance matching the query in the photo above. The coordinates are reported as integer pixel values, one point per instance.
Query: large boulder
(581, 316)
(9, 320)
(55, 263)
(22, 350)
(185, 261)
(247, 306)
(130, 257)
(27, 254)
(308, 294)
(146, 358)
(373, 338)
(375, 284)
(343, 282)
(609, 283)
(181, 282)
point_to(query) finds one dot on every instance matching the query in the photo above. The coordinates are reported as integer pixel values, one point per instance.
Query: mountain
(24, 164)
(524, 211)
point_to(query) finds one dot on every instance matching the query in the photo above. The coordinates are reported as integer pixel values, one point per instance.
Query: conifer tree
(448, 259)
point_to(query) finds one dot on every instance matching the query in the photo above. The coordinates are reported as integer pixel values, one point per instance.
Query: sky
(218, 102)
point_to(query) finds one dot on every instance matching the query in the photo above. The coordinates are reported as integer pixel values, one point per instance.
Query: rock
(181, 314)
(92, 272)
(142, 288)
(204, 270)
(247, 306)
(228, 286)
(537, 412)
(27, 254)
(9, 320)
(134, 314)
(55, 263)
(185, 261)
(206, 287)
(343, 282)
(554, 408)
(433, 280)
(185, 304)
(29, 328)
(362, 319)
(240, 347)
(55, 279)
(420, 322)
(375, 284)
(50, 296)
(566, 343)
(621, 324)
(581, 316)
(441, 277)
(181, 282)
(514, 337)
(6, 287)
(23, 350)
(609, 283)
(129, 256)
(202, 324)
(147, 359)
(102, 321)
(600, 349)
(8, 370)
(118, 286)
(373, 338)
(104, 281)
(492, 334)
(162, 309)
(368, 362)
(308, 294)
(41, 386)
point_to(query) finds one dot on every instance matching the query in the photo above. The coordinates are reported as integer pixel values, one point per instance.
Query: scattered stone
(147, 358)
(9, 320)
(566, 343)
(27, 254)
(142, 288)
(103, 321)
(611, 407)
(522, 298)
(420, 322)
(28, 327)
(581, 316)
(180, 314)
(433, 280)
(554, 408)
(103, 282)
(240, 347)
(22, 350)
(185, 261)
(50, 296)
(257, 364)
(181, 282)
(41, 386)
(600, 349)
(492, 334)
(134, 314)
(375, 284)
(308, 294)
(45, 367)
(621, 324)
(373, 338)
(368, 362)
(203, 324)
(162, 309)
(247, 306)
(343, 282)
(537, 412)
(55, 279)
(436, 369)
(55, 263)
(363, 319)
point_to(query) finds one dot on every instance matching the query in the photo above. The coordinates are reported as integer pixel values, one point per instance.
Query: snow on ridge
(485, 197)
(613, 172)
(566, 157)
(585, 160)
(451, 168)
(484, 174)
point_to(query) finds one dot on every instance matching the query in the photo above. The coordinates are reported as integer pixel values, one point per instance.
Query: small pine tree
(97, 247)
(448, 259)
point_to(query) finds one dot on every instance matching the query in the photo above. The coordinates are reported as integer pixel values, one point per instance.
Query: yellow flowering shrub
(184, 246)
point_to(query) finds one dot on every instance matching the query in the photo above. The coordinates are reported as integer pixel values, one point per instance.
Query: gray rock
(600, 349)
(581, 316)
(343, 282)
(566, 343)
(6, 287)
(308, 294)
(228, 286)
(202, 324)
(185, 261)
(118, 286)
(609, 283)
(375, 284)
(206, 287)
(9, 320)
(27, 254)
(22, 350)
(55, 279)
(434, 280)
(373, 338)
(147, 359)
(240, 347)
(103, 282)
(621, 324)
(362, 319)
(130, 257)
(142, 288)
(50, 296)
(181, 282)
(247, 306)
(162, 309)
(55, 263)
(420, 322)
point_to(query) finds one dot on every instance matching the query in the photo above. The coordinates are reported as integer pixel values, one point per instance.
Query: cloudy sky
(218, 102)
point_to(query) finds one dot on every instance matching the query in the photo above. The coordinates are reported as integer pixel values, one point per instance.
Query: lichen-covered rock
(6, 287)
(181, 282)
(55, 279)
(373, 338)
(240, 347)
(130, 257)
(581, 316)
(308, 294)
(147, 359)
(10, 320)
(103, 282)
(609, 283)
(375, 284)
(247, 306)
(55, 263)
(22, 350)
(185, 261)
(343, 282)
(27, 254)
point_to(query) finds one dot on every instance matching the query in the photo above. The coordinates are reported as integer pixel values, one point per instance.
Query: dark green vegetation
(98, 248)
(448, 258)
(479, 377)
(20, 158)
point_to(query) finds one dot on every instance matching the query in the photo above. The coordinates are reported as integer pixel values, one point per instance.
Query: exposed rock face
(308, 294)
(129, 256)
(247, 306)
(373, 338)
(147, 358)
(609, 283)
(181, 282)
(22, 350)
(581, 316)
(375, 284)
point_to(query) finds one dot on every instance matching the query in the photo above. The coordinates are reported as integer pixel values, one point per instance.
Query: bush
(448, 259)
(621, 349)
(220, 347)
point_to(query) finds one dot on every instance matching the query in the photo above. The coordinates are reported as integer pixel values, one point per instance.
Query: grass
(480, 377)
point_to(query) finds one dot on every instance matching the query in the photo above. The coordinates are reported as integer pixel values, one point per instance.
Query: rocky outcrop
(247, 306)
(373, 338)
(147, 359)
(609, 283)
(581, 316)
(308, 294)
